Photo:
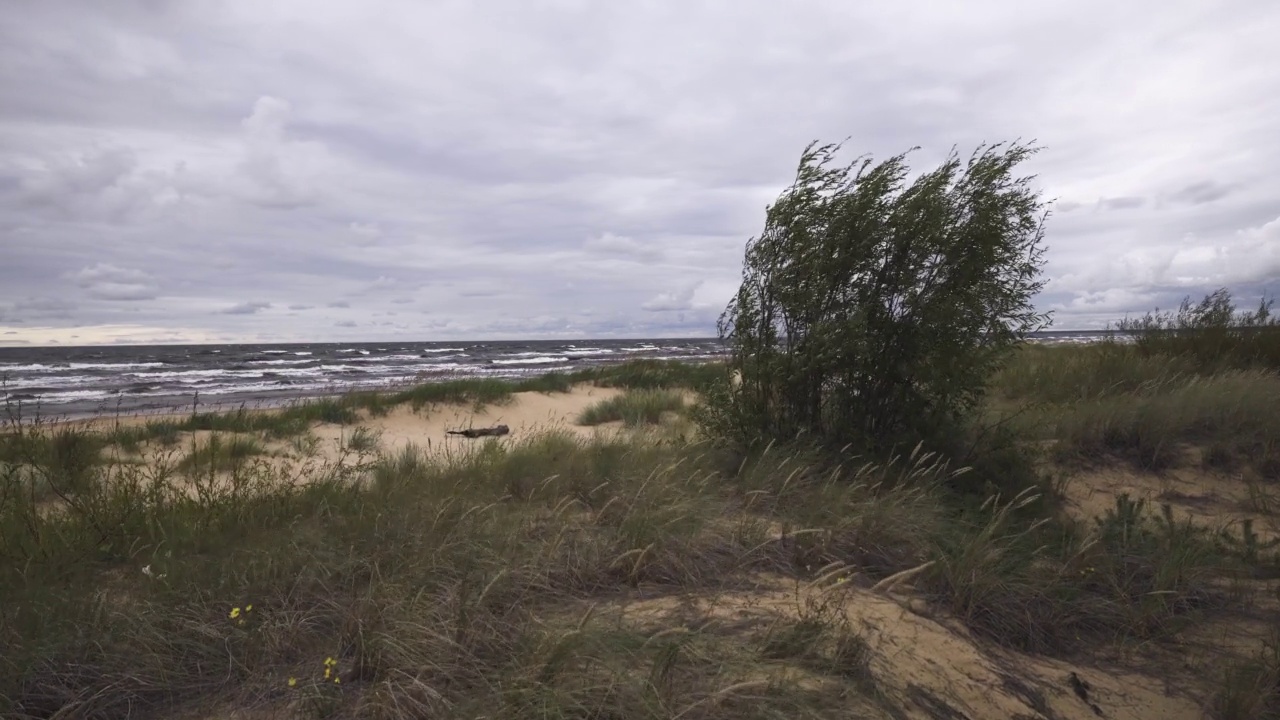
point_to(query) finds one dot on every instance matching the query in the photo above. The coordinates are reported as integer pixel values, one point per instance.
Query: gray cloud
(246, 308)
(1121, 203)
(107, 273)
(40, 308)
(679, 300)
(610, 244)
(105, 281)
(160, 163)
(1202, 192)
(122, 291)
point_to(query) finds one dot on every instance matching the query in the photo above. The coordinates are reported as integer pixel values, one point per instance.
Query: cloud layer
(325, 171)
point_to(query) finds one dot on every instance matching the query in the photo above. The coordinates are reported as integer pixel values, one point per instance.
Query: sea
(70, 382)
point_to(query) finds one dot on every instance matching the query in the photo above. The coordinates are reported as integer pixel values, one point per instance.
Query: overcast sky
(422, 170)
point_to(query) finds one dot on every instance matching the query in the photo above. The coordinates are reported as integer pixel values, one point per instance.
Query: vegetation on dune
(1159, 401)
(480, 570)
(634, 408)
(1213, 334)
(219, 454)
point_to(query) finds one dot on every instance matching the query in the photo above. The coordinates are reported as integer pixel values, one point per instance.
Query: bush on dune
(873, 311)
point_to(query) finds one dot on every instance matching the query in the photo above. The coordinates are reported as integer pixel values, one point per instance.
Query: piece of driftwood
(481, 432)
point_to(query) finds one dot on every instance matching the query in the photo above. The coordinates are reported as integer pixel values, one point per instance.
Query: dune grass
(488, 582)
(272, 424)
(362, 440)
(430, 584)
(654, 375)
(220, 453)
(1111, 400)
(634, 408)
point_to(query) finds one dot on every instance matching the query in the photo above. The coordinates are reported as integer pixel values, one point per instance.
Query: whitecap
(536, 360)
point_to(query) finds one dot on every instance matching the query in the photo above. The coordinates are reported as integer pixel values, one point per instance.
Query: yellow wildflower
(293, 682)
(326, 673)
(235, 613)
(248, 608)
(337, 680)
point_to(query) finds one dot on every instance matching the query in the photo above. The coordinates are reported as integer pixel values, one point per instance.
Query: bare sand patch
(1208, 498)
(926, 664)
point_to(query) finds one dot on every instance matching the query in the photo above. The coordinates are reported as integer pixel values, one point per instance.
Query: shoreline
(228, 397)
(20, 414)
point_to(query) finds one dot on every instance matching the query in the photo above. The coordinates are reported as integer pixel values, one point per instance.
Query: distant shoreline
(179, 379)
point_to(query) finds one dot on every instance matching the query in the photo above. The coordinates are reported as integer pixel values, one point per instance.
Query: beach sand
(526, 413)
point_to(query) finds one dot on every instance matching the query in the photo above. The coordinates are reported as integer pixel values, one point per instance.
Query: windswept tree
(873, 310)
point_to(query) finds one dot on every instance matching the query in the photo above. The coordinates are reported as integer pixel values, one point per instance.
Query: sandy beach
(527, 413)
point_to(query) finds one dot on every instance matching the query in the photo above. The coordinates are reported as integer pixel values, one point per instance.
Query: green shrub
(873, 311)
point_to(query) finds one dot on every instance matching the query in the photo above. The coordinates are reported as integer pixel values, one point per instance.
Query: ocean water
(77, 381)
(80, 381)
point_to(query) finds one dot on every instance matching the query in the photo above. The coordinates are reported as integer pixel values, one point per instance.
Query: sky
(269, 170)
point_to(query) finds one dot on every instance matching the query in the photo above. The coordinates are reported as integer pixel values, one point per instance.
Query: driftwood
(481, 432)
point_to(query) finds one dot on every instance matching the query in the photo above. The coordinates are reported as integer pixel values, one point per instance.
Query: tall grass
(220, 454)
(654, 375)
(473, 391)
(634, 408)
(1231, 417)
(285, 422)
(1108, 400)
(1212, 333)
(444, 567)
(488, 582)
(1067, 374)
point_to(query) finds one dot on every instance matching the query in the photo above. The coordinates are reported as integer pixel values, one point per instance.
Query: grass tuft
(220, 454)
(634, 408)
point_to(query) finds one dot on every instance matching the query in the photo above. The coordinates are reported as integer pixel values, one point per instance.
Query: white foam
(41, 367)
(536, 360)
(72, 395)
(279, 362)
(386, 358)
(51, 381)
